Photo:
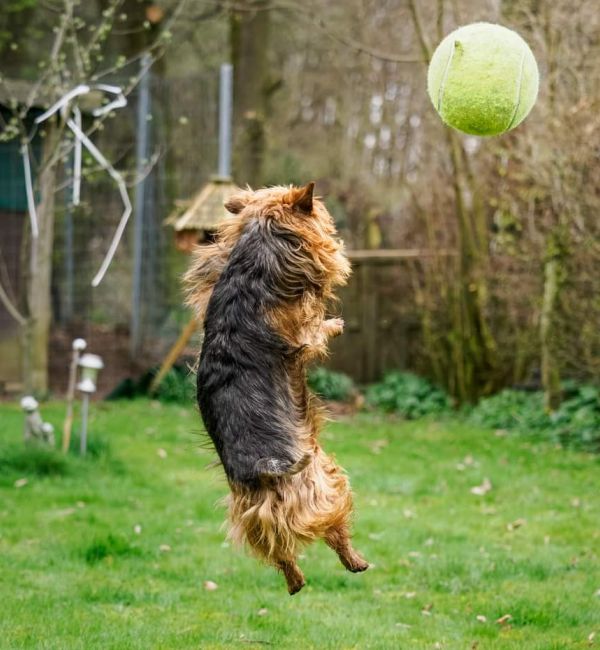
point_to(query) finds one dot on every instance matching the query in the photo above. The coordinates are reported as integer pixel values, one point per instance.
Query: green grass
(74, 573)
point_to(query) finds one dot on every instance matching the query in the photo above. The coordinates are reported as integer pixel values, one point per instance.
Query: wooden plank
(396, 254)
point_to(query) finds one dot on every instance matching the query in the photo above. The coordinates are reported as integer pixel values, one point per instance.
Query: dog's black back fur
(242, 382)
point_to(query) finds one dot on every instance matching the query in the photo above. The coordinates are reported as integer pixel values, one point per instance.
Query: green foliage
(109, 546)
(334, 386)
(408, 395)
(177, 387)
(32, 459)
(511, 409)
(96, 446)
(576, 423)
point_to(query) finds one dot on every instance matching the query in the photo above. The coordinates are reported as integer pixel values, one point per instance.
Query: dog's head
(300, 223)
(293, 232)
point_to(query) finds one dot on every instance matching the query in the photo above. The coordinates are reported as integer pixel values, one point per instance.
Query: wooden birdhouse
(196, 221)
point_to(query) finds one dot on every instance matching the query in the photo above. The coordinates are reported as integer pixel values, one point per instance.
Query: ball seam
(519, 93)
(445, 78)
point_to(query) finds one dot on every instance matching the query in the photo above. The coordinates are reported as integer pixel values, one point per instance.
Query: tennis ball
(483, 79)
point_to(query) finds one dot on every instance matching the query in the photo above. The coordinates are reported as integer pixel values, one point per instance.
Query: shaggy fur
(261, 290)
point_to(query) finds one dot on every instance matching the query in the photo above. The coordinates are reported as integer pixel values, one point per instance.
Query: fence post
(142, 155)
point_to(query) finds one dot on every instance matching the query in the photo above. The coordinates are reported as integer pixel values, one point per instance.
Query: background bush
(334, 386)
(576, 423)
(408, 395)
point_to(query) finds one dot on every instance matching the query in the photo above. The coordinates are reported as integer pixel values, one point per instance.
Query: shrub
(576, 423)
(334, 386)
(177, 386)
(511, 409)
(408, 395)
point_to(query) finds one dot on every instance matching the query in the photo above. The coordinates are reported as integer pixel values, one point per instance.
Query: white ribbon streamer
(29, 190)
(81, 140)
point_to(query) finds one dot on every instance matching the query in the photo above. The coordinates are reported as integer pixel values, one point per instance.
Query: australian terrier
(261, 290)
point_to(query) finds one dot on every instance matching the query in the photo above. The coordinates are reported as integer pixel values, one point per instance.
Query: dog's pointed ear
(303, 198)
(236, 203)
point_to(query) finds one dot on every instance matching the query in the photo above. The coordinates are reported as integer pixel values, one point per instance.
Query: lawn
(114, 551)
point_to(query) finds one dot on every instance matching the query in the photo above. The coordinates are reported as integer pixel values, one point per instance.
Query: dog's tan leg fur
(293, 575)
(339, 540)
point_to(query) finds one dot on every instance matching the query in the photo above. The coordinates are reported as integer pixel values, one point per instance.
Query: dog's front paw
(334, 326)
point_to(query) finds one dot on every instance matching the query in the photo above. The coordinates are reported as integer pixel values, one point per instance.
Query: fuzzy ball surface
(483, 79)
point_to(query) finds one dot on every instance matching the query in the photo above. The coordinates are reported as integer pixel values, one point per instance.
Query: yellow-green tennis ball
(483, 79)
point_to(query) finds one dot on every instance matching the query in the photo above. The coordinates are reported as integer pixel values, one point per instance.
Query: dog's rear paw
(357, 567)
(295, 587)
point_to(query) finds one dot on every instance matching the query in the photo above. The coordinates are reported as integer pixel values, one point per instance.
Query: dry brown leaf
(481, 618)
(503, 620)
(426, 611)
(517, 523)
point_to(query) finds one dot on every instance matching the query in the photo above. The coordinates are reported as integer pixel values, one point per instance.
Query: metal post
(225, 104)
(84, 422)
(142, 155)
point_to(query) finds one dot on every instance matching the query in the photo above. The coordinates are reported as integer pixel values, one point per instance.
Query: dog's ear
(236, 203)
(302, 197)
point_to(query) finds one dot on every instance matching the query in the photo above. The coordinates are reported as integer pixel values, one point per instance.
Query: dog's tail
(271, 468)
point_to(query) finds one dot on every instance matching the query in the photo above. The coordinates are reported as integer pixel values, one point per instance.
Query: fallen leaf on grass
(378, 445)
(209, 585)
(576, 502)
(597, 593)
(137, 529)
(591, 638)
(426, 611)
(161, 453)
(21, 482)
(405, 626)
(410, 594)
(517, 523)
(482, 489)
(164, 548)
(481, 618)
(263, 611)
(503, 620)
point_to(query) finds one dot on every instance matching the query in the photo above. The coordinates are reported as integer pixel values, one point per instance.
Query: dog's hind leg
(293, 575)
(338, 539)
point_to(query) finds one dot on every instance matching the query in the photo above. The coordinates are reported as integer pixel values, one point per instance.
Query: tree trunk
(38, 263)
(552, 279)
(249, 37)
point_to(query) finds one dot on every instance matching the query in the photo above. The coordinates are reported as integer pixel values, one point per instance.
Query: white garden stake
(90, 365)
(78, 346)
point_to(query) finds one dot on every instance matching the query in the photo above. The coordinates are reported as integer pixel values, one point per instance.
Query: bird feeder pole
(78, 346)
